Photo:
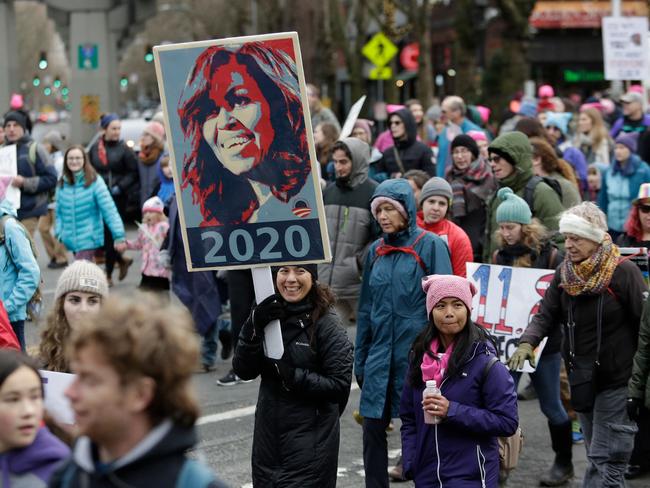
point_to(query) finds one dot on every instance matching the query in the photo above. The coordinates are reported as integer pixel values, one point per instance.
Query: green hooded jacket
(547, 206)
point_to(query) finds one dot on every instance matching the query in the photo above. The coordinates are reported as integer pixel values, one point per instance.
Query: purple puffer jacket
(462, 451)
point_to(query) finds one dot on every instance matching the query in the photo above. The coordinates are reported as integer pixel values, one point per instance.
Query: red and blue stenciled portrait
(236, 111)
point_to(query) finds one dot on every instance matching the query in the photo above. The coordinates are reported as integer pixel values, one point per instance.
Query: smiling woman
(241, 113)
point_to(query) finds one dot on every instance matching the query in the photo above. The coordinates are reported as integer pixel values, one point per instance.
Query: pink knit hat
(477, 135)
(438, 287)
(155, 130)
(374, 205)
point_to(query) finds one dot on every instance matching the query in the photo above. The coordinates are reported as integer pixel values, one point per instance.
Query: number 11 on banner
(482, 276)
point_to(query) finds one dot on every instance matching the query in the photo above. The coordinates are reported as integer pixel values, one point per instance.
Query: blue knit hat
(512, 208)
(559, 120)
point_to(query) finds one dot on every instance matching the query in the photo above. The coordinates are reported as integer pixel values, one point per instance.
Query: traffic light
(148, 54)
(36, 81)
(57, 82)
(124, 81)
(47, 91)
(42, 61)
(65, 91)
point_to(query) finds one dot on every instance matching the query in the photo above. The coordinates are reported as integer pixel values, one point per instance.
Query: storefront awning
(580, 14)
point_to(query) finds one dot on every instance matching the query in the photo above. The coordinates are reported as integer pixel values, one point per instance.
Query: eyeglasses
(459, 151)
(644, 208)
(494, 159)
(395, 122)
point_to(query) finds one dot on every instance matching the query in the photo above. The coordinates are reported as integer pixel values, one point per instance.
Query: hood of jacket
(515, 147)
(409, 124)
(360, 152)
(6, 208)
(164, 439)
(400, 190)
(41, 457)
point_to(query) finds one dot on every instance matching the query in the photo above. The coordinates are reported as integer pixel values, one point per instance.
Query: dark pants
(641, 452)
(375, 448)
(112, 256)
(155, 284)
(242, 297)
(19, 330)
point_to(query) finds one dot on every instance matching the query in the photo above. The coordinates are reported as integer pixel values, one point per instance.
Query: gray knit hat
(82, 276)
(436, 186)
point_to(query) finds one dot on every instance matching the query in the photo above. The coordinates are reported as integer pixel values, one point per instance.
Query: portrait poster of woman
(240, 142)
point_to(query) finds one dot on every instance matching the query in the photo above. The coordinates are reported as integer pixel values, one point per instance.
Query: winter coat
(19, 271)
(392, 309)
(570, 193)
(444, 145)
(8, 339)
(149, 179)
(639, 386)
(32, 466)
(39, 178)
(620, 185)
(547, 206)
(121, 171)
(412, 153)
(350, 225)
(458, 242)
(623, 124)
(157, 460)
(149, 242)
(296, 437)
(462, 451)
(622, 306)
(196, 290)
(81, 213)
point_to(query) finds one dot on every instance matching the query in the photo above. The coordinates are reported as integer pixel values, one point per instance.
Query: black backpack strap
(488, 366)
(529, 190)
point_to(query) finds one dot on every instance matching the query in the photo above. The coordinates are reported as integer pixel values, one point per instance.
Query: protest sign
(9, 169)
(242, 152)
(639, 256)
(625, 48)
(56, 402)
(352, 117)
(504, 309)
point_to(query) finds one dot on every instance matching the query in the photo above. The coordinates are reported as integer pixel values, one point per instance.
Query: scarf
(594, 274)
(385, 249)
(101, 151)
(434, 368)
(149, 154)
(473, 180)
(508, 254)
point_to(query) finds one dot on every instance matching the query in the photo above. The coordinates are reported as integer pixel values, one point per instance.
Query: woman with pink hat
(477, 400)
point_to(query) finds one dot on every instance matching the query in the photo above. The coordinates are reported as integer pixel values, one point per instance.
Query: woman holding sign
(242, 115)
(296, 438)
(599, 299)
(524, 242)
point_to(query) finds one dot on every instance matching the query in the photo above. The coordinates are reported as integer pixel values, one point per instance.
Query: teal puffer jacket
(81, 212)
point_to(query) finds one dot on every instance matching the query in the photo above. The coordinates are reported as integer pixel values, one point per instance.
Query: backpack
(31, 158)
(35, 304)
(529, 190)
(509, 447)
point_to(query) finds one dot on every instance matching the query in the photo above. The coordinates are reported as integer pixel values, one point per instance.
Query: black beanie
(463, 140)
(311, 268)
(19, 117)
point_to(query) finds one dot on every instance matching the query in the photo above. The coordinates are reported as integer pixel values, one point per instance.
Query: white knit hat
(82, 276)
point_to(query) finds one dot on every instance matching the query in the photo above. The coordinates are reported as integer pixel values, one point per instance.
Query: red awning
(580, 14)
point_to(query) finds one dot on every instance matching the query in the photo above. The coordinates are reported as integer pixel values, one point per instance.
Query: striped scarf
(592, 275)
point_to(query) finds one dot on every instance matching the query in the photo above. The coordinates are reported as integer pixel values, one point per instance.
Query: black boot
(562, 469)
(225, 337)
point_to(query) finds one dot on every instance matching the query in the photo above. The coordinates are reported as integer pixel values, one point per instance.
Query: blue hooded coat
(19, 271)
(392, 309)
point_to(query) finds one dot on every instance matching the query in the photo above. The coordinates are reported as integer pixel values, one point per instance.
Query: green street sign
(88, 56)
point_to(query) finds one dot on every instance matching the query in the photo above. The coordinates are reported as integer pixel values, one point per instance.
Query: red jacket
(459, 244)
(8, 339)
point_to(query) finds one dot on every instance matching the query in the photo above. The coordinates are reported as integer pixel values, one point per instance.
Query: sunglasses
(644, 208)
(494, 159)
(395, 122)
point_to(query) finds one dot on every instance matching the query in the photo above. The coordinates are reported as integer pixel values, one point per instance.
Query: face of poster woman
(240, 133)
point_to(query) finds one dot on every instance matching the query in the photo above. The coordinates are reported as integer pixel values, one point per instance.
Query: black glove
(359, 380)
(271, 308)
(282, 371)
(634, 408)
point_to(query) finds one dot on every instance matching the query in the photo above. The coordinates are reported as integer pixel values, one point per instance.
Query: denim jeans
(609, 439)
(209, 346)
(546, 381)
(19, 329)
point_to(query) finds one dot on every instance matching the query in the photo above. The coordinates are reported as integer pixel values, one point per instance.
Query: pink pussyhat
(477, 135)
(485, 113)
(16, 101)
(392, 107)
(438, 287)
(545, 91)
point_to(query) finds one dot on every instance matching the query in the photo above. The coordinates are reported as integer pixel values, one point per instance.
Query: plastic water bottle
(431, 390)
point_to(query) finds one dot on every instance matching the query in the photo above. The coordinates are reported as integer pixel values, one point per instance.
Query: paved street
(226, 428)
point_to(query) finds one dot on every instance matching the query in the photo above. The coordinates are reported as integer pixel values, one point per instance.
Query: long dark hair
(470, 334)
(11, 360)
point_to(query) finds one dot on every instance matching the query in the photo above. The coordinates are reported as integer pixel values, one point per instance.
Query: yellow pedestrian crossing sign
(381, 73)
(379, 50)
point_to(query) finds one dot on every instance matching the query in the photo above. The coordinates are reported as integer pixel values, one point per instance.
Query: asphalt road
(226, 427)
